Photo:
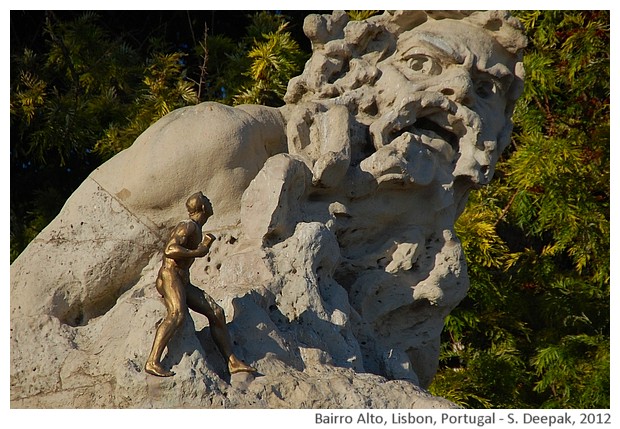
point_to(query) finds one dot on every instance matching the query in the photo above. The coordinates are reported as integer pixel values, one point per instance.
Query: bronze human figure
(186, 243)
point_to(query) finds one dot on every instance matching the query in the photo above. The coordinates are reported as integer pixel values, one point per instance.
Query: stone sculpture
(336, 259)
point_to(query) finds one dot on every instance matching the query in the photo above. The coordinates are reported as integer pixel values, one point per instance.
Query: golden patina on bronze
(186, 243)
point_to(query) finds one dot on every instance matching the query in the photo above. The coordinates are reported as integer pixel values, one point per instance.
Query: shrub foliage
(534, 329)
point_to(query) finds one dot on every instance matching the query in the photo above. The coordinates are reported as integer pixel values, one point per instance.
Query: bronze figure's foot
(235, 366)
(158, 370)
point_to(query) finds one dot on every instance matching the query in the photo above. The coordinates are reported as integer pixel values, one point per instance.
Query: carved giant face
(446, 87)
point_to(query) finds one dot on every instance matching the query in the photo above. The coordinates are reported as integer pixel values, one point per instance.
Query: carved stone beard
(392, 211)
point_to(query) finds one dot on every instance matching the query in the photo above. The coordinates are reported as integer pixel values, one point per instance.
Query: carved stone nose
(447, 91)
(458, 87)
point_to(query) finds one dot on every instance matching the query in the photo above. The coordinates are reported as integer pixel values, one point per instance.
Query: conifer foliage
(274, 57)
(534, 329)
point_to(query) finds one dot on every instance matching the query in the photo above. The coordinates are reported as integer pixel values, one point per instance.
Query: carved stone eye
(421, 63)
(486, 88)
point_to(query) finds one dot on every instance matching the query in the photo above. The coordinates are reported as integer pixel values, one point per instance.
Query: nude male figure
(185, 244)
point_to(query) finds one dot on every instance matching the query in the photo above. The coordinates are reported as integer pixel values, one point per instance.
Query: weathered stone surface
(335, 260)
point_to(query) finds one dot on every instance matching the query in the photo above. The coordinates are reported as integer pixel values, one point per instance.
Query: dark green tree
(534, 329)
(66, 86)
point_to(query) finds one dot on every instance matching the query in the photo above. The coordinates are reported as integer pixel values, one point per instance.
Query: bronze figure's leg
(173, 290)
(202, 303)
